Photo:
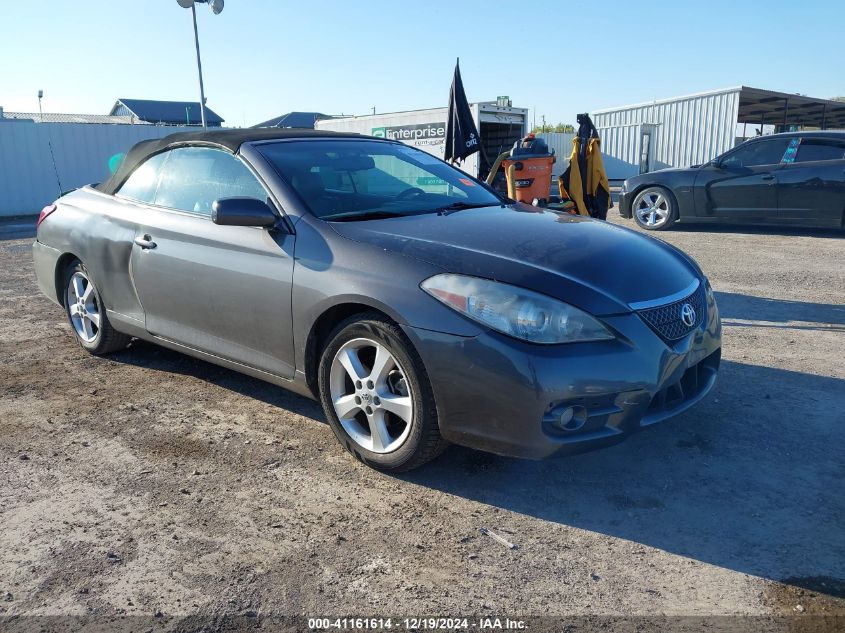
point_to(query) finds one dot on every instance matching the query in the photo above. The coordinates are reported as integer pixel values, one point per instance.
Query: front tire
(376, 395)
(655, 209)
(87, 314)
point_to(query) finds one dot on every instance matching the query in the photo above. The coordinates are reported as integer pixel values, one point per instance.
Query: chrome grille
(666, 319)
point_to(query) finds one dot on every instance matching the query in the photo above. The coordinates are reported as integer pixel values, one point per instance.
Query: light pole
(216, 8)
(40, 111)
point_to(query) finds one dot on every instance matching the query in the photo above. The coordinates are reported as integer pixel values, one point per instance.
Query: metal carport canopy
(768, 107)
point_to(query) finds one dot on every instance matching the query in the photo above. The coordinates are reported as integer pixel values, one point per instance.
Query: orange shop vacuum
(528, 169)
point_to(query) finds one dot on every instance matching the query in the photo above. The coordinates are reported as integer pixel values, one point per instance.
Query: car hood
(670, 176)
(594, 265)
(681, 170)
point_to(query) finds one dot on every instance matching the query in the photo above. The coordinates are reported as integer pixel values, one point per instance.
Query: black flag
(461, 134)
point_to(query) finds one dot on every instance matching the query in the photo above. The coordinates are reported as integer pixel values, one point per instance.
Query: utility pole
(544, 123)
(199, 64)
(216, 8)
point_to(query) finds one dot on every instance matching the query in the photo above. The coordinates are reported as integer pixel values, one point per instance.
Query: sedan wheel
(370, 395)
(654, 209)
(377, 395)
(87, 314)
(83, 308)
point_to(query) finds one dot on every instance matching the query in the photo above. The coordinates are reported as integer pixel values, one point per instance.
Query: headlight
(515, 311)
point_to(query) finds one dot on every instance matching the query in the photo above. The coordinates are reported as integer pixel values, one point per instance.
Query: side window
(194, 177)
(141, 184)
(812, 149)
(756, 153)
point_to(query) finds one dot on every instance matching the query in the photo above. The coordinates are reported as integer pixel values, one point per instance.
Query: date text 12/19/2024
(416, 624)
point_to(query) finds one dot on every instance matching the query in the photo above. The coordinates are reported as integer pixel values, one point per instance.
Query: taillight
(44, 213)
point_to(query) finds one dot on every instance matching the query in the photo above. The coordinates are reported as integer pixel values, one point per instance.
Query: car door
(742, 184)
(124, 212)
(224, 290)
(812, 184)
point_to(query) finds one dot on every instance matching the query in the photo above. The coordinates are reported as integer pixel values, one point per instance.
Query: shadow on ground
(143, 354)
(747, 307)
(752, 229)
(750, 480)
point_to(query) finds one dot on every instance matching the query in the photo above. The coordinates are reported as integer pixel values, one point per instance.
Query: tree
(566, 128)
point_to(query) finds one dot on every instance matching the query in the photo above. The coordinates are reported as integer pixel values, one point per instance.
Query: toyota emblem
(688, 315)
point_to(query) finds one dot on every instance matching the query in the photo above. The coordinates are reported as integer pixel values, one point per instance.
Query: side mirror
(716, 163)
(242, 212)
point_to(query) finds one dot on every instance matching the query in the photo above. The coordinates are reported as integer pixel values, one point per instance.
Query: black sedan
(795, 178)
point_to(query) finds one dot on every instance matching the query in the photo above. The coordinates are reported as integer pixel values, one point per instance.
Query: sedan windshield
(350, 179)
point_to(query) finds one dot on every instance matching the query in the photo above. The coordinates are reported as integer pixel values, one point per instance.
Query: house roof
(177, 112)
(295, 119)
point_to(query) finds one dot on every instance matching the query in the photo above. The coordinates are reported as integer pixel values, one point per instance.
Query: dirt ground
(151, 483)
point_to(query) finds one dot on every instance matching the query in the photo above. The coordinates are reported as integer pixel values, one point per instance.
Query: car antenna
(50, 144)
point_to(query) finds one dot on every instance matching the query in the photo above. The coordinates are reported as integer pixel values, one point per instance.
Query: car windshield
(350, 179)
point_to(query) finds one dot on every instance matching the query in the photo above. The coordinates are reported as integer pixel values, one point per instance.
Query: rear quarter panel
(99, 230)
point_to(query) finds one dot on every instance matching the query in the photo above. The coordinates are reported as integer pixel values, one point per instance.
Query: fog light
(571, 418)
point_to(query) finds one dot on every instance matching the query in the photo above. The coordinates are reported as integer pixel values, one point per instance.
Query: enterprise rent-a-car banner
(429, 137)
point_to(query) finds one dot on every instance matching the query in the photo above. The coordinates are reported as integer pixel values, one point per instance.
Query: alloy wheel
(652, 208)
(371, 395)
(83, 308)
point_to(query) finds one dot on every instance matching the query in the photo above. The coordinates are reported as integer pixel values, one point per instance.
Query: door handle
(145, 242)
(768, 177)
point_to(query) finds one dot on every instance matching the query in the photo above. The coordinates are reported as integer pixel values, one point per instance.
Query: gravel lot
(151, 482)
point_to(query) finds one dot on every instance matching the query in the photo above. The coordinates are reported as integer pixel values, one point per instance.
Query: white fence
(28, 178)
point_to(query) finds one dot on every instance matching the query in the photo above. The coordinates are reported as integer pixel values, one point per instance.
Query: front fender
(331, 270)
(679, 182)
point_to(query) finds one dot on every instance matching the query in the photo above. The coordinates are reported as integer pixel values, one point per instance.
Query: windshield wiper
(362, 215)
(460, 206)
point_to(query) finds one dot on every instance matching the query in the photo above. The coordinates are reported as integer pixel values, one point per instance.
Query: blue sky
(262, 58)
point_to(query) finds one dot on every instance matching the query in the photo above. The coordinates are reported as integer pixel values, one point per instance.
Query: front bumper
(625, 200)
(501, 395)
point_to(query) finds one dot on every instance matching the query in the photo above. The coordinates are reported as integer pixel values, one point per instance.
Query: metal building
(561, 143)
(695, 128)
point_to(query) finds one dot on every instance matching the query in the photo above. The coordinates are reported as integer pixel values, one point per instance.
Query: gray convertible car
(416, 304)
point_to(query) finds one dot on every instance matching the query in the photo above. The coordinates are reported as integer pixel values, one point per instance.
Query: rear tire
(654, 209)
(87, 314)
(377, 396)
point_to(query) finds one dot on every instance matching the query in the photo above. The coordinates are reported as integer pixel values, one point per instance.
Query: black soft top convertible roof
(230, 140)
